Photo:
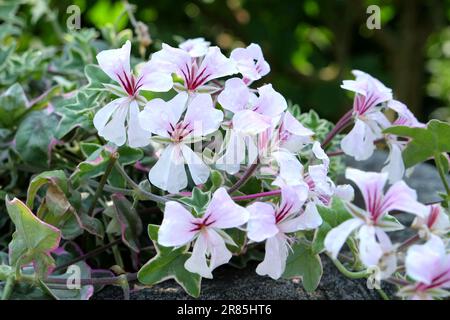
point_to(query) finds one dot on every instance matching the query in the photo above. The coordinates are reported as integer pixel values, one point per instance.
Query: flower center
(206, 222)
(179, 131)
(129, 84)
(193, 77)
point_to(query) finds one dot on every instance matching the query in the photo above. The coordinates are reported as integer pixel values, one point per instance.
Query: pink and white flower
(164, 120)
(372, 223)
(180, 227)
(252, 115)
(429, 266)
(394, 163)
(273, 224)
(196, 73)
(369, 120)
(196, 48)
(435, 221)
(118, 120)
(250, 62)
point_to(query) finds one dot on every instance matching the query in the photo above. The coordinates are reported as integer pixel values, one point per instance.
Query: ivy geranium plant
(187, 160)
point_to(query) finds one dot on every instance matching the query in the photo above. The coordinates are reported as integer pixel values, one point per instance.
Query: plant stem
(382, 294)
(348, 273)
(405, 244)
(244, 178)
(396, 281)
(88, 255)
(258, 195)
(93, 281)
(112, 160)
(108, 188)
(9, 287)
(340, 125)
(437, 160)
(114, 248)
(137, 189)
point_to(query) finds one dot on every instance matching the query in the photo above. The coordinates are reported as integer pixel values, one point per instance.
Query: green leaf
(57, 209)
(129, 221)
(13, 106)
(198, 201)
(96, 77)
(303, 263)
(97, 161)
(57, 177)
(33, 239)
(76, 113)
(62, 292)
(34, 137)
(336, 214)
(319, 238)
(169, 264)
(425, 142)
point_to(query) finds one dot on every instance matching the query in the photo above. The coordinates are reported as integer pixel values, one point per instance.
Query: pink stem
(257, 195)
(340, 125)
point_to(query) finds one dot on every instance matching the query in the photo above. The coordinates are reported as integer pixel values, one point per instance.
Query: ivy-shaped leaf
(33, 239)
(169, 264)
(304, 263)
(129, 221)
(97, 160)
(425, 142)
(335, 214)
(34, 136)
(13, 106)
(198, 200)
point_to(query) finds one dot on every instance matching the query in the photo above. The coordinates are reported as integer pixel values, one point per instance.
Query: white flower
(180, 227)
(372, 223)
(118, 120)
(274, 223)
(196, 48)
(164, 120)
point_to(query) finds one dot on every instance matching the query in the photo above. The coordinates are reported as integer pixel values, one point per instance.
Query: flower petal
(197, 262)
(403, 198)
(270, 103)
(309, 219)
(158, 114)
(217, 249)
(153, 80)
(102, 116)
(371, 185)
(169, 172)
(115, 61)
(198, 169)
(225, 212)
(202, 115)
(217, 65)
(235, 96)
(370, 250)
(394, 167)
(234, 154)
(137, 137)
(176, 228)
(424, 262)
(359, 142)
(249, 122)
(335, 239)
(274, 262)
(261, 224)
(197, 47)
(115, 131)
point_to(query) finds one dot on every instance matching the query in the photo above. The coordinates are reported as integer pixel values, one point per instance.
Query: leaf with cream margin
(169, 264)
(33, 240)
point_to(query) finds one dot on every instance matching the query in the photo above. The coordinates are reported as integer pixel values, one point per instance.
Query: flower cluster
(216, 119)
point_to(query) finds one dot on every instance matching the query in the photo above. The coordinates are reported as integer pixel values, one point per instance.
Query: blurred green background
(311, 45)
